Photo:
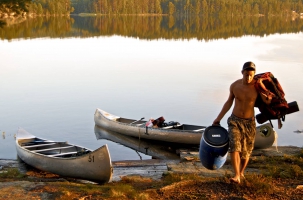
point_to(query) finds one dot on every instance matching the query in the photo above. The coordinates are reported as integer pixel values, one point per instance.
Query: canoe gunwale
(36, 152)
(201, 129)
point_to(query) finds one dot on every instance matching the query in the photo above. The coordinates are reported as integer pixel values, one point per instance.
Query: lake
(52, 79)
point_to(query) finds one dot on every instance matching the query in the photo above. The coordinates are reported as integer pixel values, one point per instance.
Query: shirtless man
(241, 124)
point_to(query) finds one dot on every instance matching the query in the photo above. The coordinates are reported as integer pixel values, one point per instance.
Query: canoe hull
(94, 166)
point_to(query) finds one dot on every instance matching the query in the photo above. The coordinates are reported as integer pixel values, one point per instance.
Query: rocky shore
(153, 170)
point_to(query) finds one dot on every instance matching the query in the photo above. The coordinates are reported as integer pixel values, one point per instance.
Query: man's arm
(266, 95)
(227, 105)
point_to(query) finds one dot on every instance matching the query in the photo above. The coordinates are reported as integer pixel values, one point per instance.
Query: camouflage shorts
(242, 134)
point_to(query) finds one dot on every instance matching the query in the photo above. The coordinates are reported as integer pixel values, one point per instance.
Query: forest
(35, 7)
(189, 7)
(50, 7)
(154, 7)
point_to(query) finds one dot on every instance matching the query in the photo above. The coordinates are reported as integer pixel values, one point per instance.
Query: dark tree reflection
(151, 27)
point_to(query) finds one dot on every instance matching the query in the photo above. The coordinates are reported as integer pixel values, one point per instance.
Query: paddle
(137, 120)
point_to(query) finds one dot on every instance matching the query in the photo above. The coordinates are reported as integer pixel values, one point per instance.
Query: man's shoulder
(239, 81)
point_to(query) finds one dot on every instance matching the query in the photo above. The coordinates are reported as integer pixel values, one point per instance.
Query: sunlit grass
(170, 178)
(280, 166)
(284, 167)
(127, 188)
(258, 183)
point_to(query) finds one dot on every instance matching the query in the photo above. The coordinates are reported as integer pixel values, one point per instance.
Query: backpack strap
(270, 123)
(279, 123)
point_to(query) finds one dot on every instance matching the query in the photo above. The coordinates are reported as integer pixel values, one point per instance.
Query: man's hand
(216, 123)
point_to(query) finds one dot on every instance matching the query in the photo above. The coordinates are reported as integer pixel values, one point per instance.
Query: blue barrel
(214, 147)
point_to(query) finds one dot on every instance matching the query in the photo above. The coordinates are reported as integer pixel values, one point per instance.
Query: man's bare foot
(242, 176)
(234, 180)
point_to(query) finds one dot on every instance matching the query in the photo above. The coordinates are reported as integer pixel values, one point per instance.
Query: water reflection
(156, 149)
(150, 27)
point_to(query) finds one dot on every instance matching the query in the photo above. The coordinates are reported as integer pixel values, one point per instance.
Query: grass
(258, 183)
(281, 167)
(11, 173)
(133, 187)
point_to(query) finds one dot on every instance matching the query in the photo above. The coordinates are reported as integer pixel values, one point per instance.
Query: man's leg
(248, 145)
(244, 163)
(236, 162)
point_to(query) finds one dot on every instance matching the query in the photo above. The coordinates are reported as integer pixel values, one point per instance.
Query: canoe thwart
(50, 149)
(143, 124)
(63, 154)
(75, 153)
(137, 121)
(38, 145)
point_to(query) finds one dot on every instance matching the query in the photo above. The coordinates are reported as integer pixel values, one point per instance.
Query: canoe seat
(63, 154)
(169, 127)
(38, 145)
(70, 153)
(50, 149)
(197, 130)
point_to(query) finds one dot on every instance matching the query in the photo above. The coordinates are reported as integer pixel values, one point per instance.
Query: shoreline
(166, 179)
(154, 168)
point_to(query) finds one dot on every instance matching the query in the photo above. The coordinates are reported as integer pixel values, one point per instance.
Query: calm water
(52, 86)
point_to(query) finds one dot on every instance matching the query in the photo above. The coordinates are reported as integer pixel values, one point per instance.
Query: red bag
(271, 101)
(159, 122)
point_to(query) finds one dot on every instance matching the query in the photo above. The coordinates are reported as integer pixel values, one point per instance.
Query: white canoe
(183, 133)
(64, 159)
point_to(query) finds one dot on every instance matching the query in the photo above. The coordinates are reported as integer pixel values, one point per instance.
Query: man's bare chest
(245, 92)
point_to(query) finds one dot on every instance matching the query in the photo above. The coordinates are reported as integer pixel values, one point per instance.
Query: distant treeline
(151, 27)
(189, 7)
(154, 7)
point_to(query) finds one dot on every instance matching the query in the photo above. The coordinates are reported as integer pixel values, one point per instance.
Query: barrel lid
(216, 135)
